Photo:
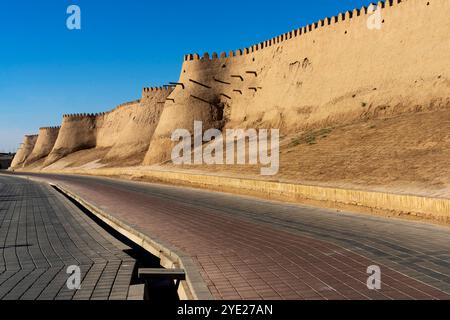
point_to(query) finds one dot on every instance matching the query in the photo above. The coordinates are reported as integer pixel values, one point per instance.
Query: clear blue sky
(47, 70)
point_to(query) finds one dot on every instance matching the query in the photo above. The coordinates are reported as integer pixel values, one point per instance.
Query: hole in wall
(224, 66)
(345, 32)
(428, 3)
(306, 63)
(217, 109)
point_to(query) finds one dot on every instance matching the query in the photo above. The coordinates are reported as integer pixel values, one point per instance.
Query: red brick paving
(241, 259)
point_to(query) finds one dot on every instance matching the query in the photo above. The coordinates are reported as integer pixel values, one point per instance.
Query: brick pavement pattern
(41, 234)
(247, 248)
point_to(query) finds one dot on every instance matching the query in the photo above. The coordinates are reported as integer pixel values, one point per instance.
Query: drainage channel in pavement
(155, 290)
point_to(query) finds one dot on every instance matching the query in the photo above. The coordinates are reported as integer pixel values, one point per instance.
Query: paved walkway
(41, 234)
(246, 248)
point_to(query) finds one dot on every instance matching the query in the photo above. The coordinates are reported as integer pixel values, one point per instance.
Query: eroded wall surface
(44, 144)
(111, 124)
(332, 72)
(77, 132)
(126, 130)
(133, 140)
(24, 151)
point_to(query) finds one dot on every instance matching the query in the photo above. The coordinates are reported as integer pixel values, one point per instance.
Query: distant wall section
(77, 132)
(44, 144)
(24, 151)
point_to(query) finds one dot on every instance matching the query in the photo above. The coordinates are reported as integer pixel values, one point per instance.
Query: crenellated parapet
(148, 92)
(324, 23)
(50, 128)
(79, 115)
(123, 105)
(167, 88)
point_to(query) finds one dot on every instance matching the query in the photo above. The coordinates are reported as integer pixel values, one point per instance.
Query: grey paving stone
(41, 234)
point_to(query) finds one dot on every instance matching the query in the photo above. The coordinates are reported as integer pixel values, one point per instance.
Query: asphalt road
(42, 234)
(247, 248)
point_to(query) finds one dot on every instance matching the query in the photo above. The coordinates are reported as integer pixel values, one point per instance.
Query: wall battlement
(80, 115)
(329, 21)
(156, 89)
(149, 92)
(50, 128)
(122, 105)
(77, 116)
(119, 107)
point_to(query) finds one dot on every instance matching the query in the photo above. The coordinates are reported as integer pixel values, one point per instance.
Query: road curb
(194, 288)
(434, 209)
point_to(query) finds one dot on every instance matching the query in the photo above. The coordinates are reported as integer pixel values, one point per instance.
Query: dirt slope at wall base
(91, 158)
(88, 158)
(404, 153)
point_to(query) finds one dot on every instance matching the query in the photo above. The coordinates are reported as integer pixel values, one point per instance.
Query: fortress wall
(110, 124)
(196, 97)
(44, 144)
(134, 138)
(15, 160)
(24, 151)
(334, 71)
(77, 132)
(87, 131)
